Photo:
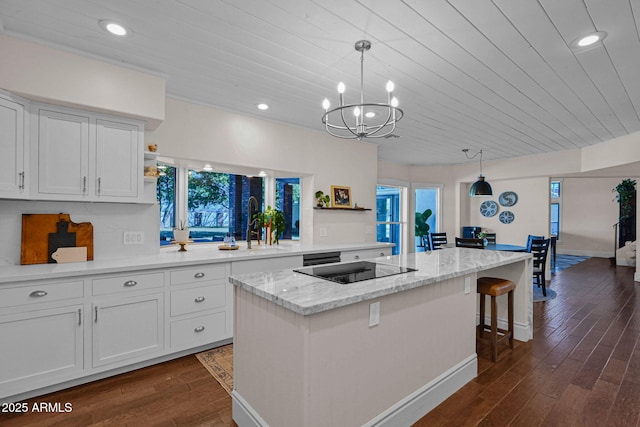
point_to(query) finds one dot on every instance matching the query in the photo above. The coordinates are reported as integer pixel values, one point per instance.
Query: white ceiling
(497, 75)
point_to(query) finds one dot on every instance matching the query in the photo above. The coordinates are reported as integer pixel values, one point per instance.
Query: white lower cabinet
(200, 307)
(40, 348)
(127, 329)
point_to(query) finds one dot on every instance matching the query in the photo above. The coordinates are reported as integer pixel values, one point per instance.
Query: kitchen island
(310, 352)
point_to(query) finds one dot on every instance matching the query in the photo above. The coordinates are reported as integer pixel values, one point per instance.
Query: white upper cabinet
(88, 157)
(119, 161)
(63, 154)
(13, 173)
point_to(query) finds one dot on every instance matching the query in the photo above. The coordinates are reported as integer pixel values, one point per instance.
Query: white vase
(181, 236)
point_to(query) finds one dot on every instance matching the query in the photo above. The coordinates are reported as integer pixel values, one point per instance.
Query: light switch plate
(467, 285)
(374, 313)
(133, 238)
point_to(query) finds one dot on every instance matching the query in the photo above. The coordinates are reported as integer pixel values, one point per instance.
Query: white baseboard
(406, 412)
(243, 414)
(415, 406)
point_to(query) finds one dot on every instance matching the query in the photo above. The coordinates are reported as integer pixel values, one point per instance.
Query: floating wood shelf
(342, 209)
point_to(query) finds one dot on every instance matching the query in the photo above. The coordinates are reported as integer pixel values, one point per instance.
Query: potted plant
(322, 199)
(626, 198)
(421, 226)
(274, 222)
(181, 232)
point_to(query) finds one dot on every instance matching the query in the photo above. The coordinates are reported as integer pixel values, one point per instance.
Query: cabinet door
(40, 348)
(119, 161)
(12, 142)
(129, 328)
(63, 154)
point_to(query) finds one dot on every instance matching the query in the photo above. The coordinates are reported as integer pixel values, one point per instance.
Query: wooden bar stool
(495, 287)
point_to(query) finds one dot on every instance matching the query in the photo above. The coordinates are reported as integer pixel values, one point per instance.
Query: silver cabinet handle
(21, 186)
(95, 309)
(79, 316)
(198, 275)
(199, 329)
(130, 283)
(84, 184)
(199, 299)
(99, 184)
(37, 294)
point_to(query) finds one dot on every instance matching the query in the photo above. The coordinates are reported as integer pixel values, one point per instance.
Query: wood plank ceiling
(497, 75)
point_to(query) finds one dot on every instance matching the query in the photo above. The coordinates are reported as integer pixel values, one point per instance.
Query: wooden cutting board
(44, 234)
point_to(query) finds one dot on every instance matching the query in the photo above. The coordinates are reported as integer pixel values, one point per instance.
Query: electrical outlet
(133, 238)
(467, 285)
(323, 232)
(374, 313)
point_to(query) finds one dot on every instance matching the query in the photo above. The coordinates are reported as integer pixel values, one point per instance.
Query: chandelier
(364, 119)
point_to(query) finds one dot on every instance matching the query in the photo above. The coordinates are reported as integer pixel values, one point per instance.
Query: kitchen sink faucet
(252, 223)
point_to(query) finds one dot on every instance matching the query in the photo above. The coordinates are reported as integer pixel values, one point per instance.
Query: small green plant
(626, 192)
(422, 228)
(322, 199)
(276, 219)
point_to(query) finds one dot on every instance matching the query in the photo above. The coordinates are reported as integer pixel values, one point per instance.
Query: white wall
(589, 210)
(203, 134)
(52, 75)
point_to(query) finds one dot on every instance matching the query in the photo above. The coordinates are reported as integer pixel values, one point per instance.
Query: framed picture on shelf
(341, 196)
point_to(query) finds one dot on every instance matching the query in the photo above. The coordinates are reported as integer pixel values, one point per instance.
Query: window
(288, 201)
(215, 203)
(166, 195)
(555, 189)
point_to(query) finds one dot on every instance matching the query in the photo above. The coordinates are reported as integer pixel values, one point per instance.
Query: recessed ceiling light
(113, 28)
(588, 40)
(370, 114)
(263, 106)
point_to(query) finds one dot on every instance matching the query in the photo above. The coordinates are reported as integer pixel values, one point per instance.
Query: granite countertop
(306, 295)
(170, 257)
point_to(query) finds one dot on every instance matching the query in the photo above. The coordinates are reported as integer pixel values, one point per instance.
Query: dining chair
(530, 239)
(425, 242)
(469, 243)
(491, 238)
(539, 250)
(438, 240)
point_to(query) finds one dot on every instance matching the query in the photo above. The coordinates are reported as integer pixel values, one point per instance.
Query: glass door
(426, 215)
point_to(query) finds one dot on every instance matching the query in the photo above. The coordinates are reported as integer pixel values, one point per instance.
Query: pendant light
(480, 187)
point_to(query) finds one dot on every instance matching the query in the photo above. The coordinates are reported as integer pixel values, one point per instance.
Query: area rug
(537, 294)
(566, 261)
(219, 363)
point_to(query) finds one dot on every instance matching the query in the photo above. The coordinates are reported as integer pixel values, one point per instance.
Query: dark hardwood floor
(581, 369)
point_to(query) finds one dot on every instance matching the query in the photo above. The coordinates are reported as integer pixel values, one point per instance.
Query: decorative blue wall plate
(489, 208)
(506, 217)
(508, 198)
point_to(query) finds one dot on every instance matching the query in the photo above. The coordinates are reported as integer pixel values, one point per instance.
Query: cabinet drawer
(129, 283)
(198, 274)
(197, 299)
(46, 292)
(365, 254)
(199, 330)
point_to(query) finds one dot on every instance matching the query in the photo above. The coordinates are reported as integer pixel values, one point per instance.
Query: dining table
(505, 247)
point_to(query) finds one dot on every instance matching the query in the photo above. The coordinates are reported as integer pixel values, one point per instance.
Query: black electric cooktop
(352, 272)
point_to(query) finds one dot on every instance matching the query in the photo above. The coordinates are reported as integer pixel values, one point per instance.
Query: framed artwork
(341, 196)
